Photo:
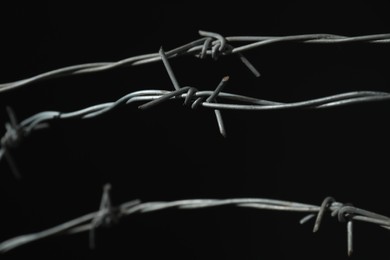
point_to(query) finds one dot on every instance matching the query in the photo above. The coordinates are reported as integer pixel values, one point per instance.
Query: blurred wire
(107, 215)
(211, 44)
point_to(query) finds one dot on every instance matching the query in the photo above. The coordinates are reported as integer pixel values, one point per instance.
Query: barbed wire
(210, 44)
(15, 133)
(108, 214)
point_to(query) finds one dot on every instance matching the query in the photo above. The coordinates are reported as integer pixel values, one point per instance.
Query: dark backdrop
(171, 152)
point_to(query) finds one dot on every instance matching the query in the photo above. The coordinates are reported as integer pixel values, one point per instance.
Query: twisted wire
(192, 97)
(210, 44)
(107, 213)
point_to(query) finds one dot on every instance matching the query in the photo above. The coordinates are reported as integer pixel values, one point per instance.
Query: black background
(171, 152)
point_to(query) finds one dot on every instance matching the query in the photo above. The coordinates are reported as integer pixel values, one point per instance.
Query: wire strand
(87, 222)
(211, 44)
(150, 98)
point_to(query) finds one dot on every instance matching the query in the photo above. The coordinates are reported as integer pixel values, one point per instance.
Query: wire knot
(12, 138)
(326, 204)
(219, 46)
(14, 132)
(105, 217)
(215, 44)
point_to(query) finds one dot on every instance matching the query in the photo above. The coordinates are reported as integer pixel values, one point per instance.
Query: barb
(211, 44)
(169, 69)
(88, 222)
(213, 98)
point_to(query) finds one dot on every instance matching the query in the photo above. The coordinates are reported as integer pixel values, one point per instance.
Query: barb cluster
(107, 215)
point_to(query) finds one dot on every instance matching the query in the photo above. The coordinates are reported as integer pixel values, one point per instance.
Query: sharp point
(316, 227)
(144, 106)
